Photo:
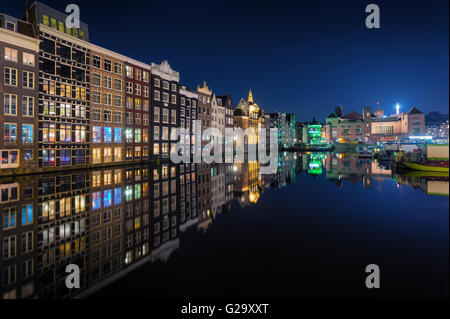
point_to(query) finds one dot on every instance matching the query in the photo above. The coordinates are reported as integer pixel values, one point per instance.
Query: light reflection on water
(123, 221)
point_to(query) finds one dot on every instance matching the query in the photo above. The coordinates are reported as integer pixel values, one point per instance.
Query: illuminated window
(60, 26)
(45, 20)
(137, 135)
(107, 134)
(11, 54)
(117, 135)
(129, 135)
(48, 157)
(27, 133)
(96, 134)
(107, 155)
(28, 59)
(27, 214)
(10, 132)
(155, 148)
(129, 71)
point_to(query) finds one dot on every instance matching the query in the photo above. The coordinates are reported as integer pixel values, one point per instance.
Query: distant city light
(424, 137)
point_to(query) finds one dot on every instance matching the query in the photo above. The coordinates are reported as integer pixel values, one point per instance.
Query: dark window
(79, 180)
(64, 71)
(96, 61)
(48, 46)
(64, 181)
(48, 66)
(5, 195)
(78, 74)
(64, 52)
(78, 157)
(48, 186)
(28, 192)
(78, 56)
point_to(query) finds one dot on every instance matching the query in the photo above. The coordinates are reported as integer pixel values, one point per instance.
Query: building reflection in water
(113, 220)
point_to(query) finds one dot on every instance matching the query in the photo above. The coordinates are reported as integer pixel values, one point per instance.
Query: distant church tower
(250, 97)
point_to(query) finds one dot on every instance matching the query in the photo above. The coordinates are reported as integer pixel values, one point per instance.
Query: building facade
(227, 102)
(64, 106)
(107, 107)
(347, 129)
(437, 126)
(19, 97)
(137, 112)
(397, 127)
(165, 105)
(203, 169)
(188, 116)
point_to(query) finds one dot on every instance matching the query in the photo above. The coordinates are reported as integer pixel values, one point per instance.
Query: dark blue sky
(304, 57)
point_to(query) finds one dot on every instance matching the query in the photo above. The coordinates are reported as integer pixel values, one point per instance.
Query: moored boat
(432, 166)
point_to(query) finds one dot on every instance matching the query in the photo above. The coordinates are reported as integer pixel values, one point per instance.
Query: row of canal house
(372, 127)
(106, 220)
(68, 103)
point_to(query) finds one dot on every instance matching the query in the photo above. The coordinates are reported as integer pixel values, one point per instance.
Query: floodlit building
(348, 129)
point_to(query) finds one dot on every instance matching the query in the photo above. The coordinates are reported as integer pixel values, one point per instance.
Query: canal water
(307, 231)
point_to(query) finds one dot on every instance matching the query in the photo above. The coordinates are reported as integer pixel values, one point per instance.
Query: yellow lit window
(46, 20)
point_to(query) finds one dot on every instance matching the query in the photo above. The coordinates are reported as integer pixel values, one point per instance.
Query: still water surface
(226, 231)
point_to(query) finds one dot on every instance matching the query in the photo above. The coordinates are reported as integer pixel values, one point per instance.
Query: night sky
(302, 57)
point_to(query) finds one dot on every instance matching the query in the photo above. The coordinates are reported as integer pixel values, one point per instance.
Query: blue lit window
(117, 196)
(107, 198)
(64, 156)
(107, 134)
(27, 133)
(118, 135)
(96, 200)
(96, 134)
(27, 214)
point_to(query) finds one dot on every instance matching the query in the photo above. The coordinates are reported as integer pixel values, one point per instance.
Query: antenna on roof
(27, 13)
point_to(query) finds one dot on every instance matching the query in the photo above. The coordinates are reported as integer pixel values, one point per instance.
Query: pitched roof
(332, 115)
(414, 110)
